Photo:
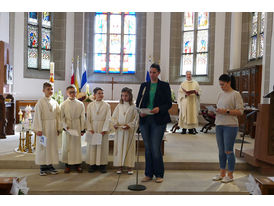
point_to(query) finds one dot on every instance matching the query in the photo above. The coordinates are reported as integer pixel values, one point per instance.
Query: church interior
(36, 47)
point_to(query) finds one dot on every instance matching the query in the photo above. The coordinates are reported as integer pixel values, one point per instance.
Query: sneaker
(67, 170)
(130, 172)
(159, 180)
(217, 178)
(119, 172)
(43, 173)
(227, 179)
(146, 179)
(79, 170)
(92, 168)
(52, 171)
(103, 169)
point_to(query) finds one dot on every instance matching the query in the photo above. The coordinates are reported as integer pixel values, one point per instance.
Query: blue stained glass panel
(32, 58)
(188, 42)
(115, 24)
(115, 44)
(46, 22)
(130, 24)
(100, 23)
(46, 38)
(129, 64)
(203, 20)
(32, 36)
(33, 18)
(202, 41)
(100, 63)
(100, 43)
(129, 44)
(45, 64)
(114, 63)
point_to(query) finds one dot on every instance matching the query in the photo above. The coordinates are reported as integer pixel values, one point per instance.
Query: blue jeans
(226, 136)
(153, 135)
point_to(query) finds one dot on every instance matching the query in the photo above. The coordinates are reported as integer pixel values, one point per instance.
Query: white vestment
(98, 120)
(189, 105)
(72, 117)
(124, 142)
(47, 120)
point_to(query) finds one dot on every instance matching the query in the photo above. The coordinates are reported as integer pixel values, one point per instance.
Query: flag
(77, 79)
(72, 73)
(147, 77)
(84, 73)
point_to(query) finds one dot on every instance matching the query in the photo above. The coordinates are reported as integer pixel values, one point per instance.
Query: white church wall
(4, 25)
(27, 88)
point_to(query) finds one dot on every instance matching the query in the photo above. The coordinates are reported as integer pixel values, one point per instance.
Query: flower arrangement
(58, 96)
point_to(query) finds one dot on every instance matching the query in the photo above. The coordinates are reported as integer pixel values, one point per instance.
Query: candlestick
(20, 113)
(51, 78)
(87, 88)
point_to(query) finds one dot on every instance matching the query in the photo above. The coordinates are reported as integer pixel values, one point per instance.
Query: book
(189, 91)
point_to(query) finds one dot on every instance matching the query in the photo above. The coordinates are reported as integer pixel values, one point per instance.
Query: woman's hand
(155, 110)
(221, 111)
(143, 115)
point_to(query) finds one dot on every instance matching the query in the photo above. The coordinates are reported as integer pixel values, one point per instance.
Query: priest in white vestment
(73, 121)
(189, 104)
(46, 124)
(125, 121)
(98, 125)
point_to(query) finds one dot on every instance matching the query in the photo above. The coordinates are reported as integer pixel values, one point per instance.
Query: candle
(20, 115)
(51, 78)
(87, 88)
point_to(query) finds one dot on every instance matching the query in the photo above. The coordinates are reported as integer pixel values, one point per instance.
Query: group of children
(71, 119)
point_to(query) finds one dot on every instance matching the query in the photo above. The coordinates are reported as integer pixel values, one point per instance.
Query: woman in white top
(229, 107)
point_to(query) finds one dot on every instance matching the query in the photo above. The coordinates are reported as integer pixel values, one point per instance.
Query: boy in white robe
(72, 118)
(46, 123)
(98, 120)
(125, 120)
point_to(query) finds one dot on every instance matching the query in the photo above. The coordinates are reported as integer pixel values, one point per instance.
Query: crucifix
(112, 87)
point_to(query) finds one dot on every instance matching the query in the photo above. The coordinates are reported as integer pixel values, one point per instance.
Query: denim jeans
(226, 136)
(153, 135)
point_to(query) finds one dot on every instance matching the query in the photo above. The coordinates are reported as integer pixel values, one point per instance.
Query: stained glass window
(114, 42)
(256, 35)
(195, 43)
(39, 40)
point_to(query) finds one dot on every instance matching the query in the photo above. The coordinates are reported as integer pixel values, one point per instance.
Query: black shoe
(52, 170)
(191, 131)
(103, 169)
(92, 168)
(183, 131)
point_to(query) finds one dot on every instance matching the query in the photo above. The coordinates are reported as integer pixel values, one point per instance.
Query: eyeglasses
(72, 92)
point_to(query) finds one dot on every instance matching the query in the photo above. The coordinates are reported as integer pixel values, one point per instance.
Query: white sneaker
(119, 172)
(217, 178)
(130, 172)
(226, 179)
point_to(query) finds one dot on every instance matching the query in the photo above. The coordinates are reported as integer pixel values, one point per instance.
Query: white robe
(73, 117)
(189, 106)
(98, 120)
(47, 120)
(124, 141)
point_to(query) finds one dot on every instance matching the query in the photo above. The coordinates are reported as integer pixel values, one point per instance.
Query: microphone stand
(137, 187)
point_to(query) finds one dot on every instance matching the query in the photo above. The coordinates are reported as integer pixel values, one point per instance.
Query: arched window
(114, 48)
(256, 35)
(195, 37)
(39, 27)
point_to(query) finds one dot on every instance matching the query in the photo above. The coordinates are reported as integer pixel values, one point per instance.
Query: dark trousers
(153, 135)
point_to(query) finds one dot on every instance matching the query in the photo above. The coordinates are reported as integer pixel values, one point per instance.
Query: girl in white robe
(46, 123)
(72, 118)
(98, 122)
(125, 121)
